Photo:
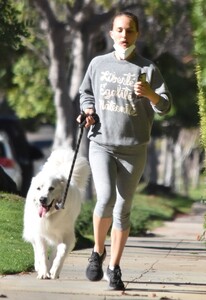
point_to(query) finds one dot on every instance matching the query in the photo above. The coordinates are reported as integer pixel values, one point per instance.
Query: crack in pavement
(152, 267)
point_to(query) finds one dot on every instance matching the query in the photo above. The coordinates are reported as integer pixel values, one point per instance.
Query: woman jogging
(124, 90)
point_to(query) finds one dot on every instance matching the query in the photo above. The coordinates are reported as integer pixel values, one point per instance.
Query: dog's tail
(81, 172)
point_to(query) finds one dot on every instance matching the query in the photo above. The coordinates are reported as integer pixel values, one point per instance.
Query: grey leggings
(116, 173)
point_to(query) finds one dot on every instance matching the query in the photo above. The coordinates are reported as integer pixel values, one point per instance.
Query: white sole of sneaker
(105, 277)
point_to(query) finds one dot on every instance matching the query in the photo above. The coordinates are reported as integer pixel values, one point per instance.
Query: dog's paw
(43, 274)
(54, 275)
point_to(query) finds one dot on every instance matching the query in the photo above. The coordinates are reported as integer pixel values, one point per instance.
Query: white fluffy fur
(44, 228)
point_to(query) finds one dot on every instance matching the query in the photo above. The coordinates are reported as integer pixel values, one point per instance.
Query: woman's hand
(89, 120)
(143, 89)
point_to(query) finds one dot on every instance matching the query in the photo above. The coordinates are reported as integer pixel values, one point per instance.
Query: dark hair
(128, 14)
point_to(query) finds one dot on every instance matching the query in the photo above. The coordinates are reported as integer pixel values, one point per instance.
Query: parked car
(8, 160)
(24, 152)
(7, 184)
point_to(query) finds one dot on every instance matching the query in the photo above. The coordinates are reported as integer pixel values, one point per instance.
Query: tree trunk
(56, 33)
(57, 75)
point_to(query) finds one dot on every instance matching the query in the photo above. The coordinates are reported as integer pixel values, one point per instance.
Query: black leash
(60, 205)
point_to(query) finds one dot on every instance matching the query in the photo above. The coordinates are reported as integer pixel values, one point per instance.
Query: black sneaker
(114, 279)
(94, 270)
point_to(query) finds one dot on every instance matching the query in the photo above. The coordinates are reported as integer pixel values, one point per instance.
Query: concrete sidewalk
(169, 264)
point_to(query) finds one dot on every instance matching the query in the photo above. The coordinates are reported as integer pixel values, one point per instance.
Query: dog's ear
(61, 179)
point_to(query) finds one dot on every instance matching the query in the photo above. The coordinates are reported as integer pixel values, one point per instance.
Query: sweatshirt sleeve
(159, 86)
(86, 91)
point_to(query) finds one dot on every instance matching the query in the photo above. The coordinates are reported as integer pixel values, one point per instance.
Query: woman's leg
(101, 227)
(130, 170)
(118, 241)
(104, 170)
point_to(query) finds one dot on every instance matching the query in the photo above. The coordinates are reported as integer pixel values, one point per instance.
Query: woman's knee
(104, 209)
(121, 221)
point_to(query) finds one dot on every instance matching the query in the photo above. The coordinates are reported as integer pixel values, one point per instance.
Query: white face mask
(123, 53)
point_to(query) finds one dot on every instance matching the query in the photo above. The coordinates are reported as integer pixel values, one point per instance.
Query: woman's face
(124, 32)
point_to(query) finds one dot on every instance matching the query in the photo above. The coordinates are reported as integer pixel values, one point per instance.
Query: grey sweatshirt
(108, 88)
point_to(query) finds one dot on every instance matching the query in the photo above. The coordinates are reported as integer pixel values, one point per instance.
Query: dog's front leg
(53, 253)
(36, 258)
(42, 256)
(61, 253)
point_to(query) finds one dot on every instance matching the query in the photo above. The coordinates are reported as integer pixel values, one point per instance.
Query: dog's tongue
(42, 211)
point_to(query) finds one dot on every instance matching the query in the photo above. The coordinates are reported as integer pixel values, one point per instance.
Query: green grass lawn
(150, 211)
(17, 256)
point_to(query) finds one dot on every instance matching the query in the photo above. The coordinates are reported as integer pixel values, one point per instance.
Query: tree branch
(44, 8)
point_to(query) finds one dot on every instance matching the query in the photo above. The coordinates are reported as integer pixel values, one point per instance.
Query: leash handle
(84, 116)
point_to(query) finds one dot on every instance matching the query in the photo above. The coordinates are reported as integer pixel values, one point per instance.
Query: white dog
(46, 226)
